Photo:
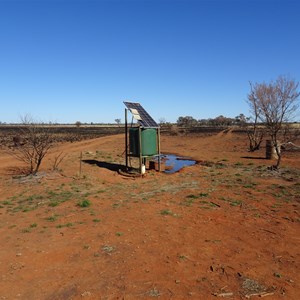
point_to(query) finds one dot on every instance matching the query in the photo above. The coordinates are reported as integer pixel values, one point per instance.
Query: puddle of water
(174, 163)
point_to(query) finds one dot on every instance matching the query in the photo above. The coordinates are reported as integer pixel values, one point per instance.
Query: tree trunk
(278, 152)
(37, 166)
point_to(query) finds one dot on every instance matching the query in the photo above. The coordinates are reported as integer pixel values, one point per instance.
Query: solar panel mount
(141, 115)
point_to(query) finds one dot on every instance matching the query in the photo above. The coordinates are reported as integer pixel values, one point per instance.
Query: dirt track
(224, 227)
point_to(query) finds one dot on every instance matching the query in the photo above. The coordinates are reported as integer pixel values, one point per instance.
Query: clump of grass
(200, 195)
(100, 191)
(188, 202)
(213, 241)
(250, 185)
(116, 205)
(64, 225)
(167, 212)
(27, 203)
(236, 202)
(52, 218)
(154, 293)
(59, 197)
(231, 201)
(119, 233)
(22, 203)
(33, 225)
(276, 205)
(84, 203)
(7, 202)
(192, 196)
(35, 197)
(208, 204)
(108, 249)
(96, 220)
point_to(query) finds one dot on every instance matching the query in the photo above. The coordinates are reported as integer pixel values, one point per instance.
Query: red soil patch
(227, 226)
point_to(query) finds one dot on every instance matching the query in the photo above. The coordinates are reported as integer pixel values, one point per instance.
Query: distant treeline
(218, 121)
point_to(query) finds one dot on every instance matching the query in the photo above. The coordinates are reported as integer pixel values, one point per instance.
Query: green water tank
(148, 141)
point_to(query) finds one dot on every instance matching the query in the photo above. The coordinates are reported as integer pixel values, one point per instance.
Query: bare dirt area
(226, 227)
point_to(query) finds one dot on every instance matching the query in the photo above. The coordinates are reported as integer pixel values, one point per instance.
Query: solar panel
(141, 115)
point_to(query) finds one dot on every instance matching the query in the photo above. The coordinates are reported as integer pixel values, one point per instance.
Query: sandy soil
(225, 227)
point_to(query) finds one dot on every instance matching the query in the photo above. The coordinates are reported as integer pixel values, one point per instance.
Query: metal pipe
(140, 148)
(126, 140)
(158, 143)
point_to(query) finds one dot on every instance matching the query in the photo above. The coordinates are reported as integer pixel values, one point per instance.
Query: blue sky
(67, 61)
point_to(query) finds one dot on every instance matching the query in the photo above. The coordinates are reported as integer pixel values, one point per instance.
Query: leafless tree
(78, 124)
(118, 121)
(162, 120)
(276, 104)
(57, 161)
(36, 143)
(255, 131)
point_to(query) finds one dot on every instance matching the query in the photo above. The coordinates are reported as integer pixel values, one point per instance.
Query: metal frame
(142, 158)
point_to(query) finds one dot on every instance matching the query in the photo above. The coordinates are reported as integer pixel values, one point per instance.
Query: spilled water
(174, 163)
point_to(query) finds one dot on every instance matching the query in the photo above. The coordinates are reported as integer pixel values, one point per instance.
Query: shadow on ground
(104, 164)
(253, 157)
(15, 171)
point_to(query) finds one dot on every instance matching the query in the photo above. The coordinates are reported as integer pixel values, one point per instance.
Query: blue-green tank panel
(148, 141)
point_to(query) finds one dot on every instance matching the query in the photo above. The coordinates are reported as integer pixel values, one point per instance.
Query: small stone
(86, 294)
(177, 281)
(19, 254)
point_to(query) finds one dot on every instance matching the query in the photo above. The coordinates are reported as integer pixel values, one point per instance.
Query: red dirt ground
(225, 227)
